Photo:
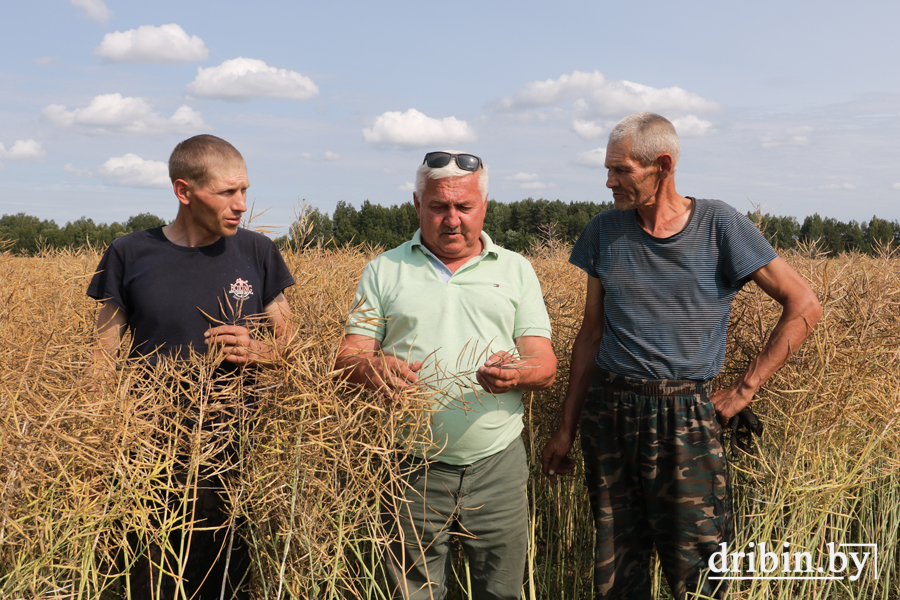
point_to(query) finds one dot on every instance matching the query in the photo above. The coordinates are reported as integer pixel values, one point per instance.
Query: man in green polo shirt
(451, 310)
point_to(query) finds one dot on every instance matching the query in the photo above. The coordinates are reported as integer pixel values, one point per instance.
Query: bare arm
(241, 349)
(800, 313)
(555, 459)
(534, 369)
(110, 324)
(367, 365)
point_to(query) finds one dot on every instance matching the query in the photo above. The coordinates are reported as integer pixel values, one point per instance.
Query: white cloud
(896, 186)
(93, 9)
(838, 186)
(409, 186)
(326, 156)
(552, 91)
(111, 114)
(588, 130)
(527, 181)
(245, 78)
(133, 171)
(523, 177)
(592, 158)
(688, 126)
(187, 119)
(692, 126)
(22, 150)
(149, 44)
(796, 136)
(533, 185)
(593, 95)
(415, 129)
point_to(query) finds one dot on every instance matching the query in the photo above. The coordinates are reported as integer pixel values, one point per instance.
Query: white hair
(651, 135)
(424, 173)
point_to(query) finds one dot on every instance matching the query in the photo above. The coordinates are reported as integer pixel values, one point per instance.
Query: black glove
(743, 426)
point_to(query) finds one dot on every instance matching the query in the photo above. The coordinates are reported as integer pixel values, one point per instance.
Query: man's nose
(452, 218)
(611, 181)
(240, 204)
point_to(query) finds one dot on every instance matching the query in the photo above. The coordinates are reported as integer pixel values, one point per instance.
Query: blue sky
(794, 106)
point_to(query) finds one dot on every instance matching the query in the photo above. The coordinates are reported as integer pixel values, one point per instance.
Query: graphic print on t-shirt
(241, 289)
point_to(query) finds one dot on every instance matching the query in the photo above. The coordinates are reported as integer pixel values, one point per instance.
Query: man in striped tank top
(663, 270)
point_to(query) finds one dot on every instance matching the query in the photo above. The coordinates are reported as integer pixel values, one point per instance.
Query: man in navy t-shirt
(199, 283)
(663, 270)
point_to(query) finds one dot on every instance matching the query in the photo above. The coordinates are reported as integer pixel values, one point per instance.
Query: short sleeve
(745, 250)
(584, 253)
(107, 284)
(367, 314)
(531, 313)
(277, 275)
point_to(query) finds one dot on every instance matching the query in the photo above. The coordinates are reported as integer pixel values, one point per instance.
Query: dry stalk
(313, 461)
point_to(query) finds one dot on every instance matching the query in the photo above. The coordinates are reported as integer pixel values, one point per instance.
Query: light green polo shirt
(454, 327)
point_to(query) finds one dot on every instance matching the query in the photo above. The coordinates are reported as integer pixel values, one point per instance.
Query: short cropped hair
(651, 135)
(424, 173)
(193, 159)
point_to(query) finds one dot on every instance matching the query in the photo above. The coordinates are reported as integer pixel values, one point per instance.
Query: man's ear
(416, 202)
(182, 191)
(665, 163)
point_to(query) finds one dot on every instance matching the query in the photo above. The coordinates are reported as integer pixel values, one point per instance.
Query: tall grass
(81, 467)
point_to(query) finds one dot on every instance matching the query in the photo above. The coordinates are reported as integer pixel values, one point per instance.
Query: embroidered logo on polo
(241, 289)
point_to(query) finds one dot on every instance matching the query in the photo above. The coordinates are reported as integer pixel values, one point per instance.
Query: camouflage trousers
(657, 475)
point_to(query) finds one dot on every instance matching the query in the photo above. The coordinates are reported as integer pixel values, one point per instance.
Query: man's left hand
(235, 342)
(730, 401)
(500, 373)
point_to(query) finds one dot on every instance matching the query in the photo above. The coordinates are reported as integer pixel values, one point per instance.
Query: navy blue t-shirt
(172, 294)
(667, 300)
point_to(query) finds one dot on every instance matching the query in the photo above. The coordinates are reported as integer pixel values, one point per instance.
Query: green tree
(518, 225)
(84, 231)
(32, 234)
(376, 226)
(782, 232)
(851, 235)
(813, 230)
(496, 222)
(312, 228)
(344, 221)
(879, 232)
(580, 214)
(29, 234)
(142, 222)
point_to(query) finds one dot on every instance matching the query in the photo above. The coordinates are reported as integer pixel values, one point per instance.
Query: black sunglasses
(466, 162)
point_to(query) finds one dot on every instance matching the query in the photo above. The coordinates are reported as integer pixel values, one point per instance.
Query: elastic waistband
(649, 387)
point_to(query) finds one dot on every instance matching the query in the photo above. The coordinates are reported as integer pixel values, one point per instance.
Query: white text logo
(838, 561)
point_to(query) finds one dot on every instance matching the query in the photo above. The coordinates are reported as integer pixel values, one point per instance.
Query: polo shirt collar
(489, 246)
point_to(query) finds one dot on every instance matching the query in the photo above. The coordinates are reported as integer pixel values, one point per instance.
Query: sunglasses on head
(466, 162)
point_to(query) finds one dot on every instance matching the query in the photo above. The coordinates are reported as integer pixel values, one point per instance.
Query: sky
(790, 106)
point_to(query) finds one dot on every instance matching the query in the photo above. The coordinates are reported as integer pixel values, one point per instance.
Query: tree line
(516, 226)
(834, 237)
(30, 235)
(519, 225)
